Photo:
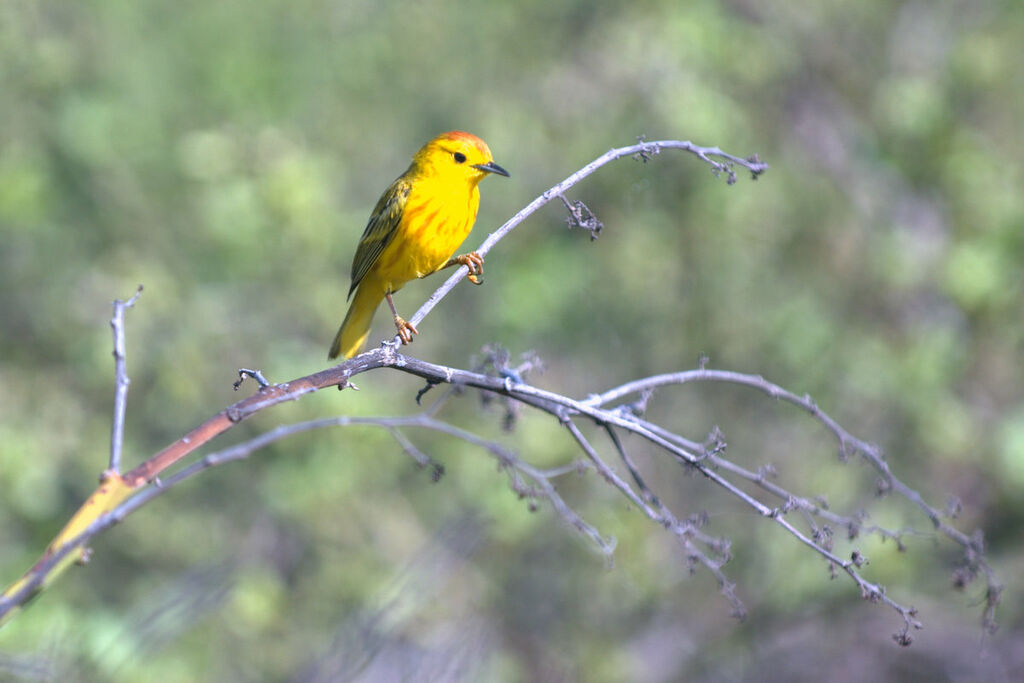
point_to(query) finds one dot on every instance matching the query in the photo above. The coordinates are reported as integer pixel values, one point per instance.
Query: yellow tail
(356, 327)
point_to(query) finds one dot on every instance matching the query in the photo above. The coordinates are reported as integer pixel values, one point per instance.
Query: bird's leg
(473, 261)
(404, 327)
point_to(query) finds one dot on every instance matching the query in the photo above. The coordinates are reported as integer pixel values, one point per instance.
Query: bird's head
(457, 155)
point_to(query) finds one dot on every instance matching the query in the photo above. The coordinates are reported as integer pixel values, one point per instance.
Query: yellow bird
(418, 223)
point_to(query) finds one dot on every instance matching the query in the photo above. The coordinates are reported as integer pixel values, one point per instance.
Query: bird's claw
(405, 329)
(475, 263)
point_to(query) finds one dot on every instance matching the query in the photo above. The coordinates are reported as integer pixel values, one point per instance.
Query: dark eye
(460, 158)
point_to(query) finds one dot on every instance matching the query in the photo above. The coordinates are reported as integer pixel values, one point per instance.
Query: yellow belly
(428, 235)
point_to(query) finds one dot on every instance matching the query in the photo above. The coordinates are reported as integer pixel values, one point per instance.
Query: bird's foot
(475, 263)
(405, 329)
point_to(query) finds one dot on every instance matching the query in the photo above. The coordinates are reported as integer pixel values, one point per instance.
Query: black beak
(491, 167)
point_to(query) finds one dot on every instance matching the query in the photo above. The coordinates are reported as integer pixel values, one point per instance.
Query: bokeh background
(226, 155)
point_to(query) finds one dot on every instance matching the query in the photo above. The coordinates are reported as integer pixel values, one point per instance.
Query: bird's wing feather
(380, 229)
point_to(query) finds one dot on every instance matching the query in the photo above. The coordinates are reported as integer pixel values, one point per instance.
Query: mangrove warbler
(418, 223)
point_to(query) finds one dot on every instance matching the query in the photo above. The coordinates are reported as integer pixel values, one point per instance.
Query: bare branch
(121, 381)
(973, 545)
(255, 374)
(686, 533)
(494, 377)
(541, 488)
(561, 407)
(642, 150)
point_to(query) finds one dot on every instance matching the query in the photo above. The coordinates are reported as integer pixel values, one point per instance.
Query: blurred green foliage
(226, 156)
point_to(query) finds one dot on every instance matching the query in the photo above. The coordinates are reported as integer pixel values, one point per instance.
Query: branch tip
(422, 392)
(121, 380)
(255, 374)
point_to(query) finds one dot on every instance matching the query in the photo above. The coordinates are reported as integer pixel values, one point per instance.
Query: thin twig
(562, 407)
(972, 544)
(643, 150)
(121, 381)
(255, 374)
(610, 476)
(686, 533)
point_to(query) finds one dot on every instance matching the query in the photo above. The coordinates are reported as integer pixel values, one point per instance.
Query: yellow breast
(436, 220)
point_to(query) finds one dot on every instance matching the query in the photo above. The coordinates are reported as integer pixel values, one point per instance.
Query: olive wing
(380, 229)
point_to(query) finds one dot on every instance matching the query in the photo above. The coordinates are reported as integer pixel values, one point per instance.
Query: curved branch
(642, 151)
(120, 495)
(871, 453)
(366, 361)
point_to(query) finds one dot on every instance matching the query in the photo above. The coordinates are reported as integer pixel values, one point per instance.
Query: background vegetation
(226, 156)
